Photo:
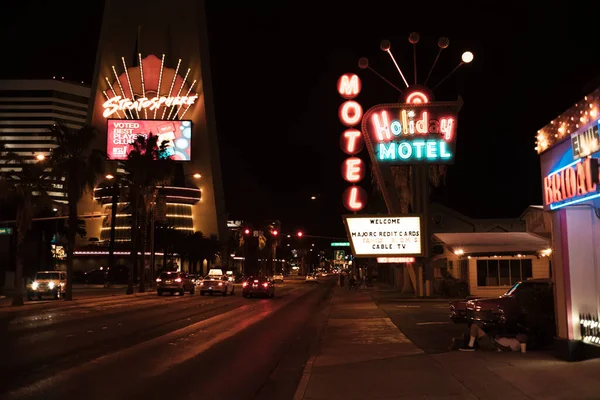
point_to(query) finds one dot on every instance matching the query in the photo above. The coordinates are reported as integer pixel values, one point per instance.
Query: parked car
(212, 284)
(48, 283)
(258, 286)
(526, 305)
(174, 282)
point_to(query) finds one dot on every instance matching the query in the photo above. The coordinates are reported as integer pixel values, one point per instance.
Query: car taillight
(220, 283)
(178, 280)
(158, 280)
(265, 284)
(244, 284)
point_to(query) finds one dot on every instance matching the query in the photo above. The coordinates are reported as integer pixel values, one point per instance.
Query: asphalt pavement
(425, 322)
(145, 346)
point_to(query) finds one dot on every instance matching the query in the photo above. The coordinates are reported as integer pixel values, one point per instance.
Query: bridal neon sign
(416, 132)
(572, 184)
(119, 103)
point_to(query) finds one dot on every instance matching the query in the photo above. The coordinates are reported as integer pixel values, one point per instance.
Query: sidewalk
(386, 292)
(363, 355)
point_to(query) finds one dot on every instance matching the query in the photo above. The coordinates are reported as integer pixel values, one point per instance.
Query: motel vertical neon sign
(353, 169)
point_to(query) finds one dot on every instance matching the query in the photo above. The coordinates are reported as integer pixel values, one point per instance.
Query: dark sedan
(528, 304)
(258, 286)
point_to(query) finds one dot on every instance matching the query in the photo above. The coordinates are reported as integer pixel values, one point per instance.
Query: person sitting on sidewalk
(490, 343)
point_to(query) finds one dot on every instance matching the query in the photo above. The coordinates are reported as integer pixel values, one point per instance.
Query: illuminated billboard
(176, 135)
(412, 133)
(384, 235)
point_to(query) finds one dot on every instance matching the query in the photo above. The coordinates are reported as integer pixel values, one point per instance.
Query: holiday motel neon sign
(414, 132)
(119, 103)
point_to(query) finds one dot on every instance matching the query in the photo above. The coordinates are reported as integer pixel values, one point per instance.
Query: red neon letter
(581, 181)
(353, 169)
(570, 182)
(422, 125)
(446, 126)
(354, 198)
(353, 202)
(350, 113)
(351, 142)
(548, 192)
(589, 179)
(349, 86)
(382, 128)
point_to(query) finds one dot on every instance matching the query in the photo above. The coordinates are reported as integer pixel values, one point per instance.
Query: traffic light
(247, 231)
(300, 234)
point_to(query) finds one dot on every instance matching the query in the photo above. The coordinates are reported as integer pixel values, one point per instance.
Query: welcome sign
(384, 235)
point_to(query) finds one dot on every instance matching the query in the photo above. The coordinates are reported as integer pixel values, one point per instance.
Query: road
(425, 323)
(147, 346)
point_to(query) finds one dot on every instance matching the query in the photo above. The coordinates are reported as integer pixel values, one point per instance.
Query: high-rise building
(28, 108)
(153, 77)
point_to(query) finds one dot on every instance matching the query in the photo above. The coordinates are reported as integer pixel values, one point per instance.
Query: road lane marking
(408, 306)
(434, 323)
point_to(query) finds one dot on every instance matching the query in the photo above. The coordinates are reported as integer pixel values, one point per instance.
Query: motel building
(482, 257)
(569, 148)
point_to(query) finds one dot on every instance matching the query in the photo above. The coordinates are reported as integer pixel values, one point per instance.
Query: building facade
(486, 256)
(28, 108)
(569, 149)
(152, 67)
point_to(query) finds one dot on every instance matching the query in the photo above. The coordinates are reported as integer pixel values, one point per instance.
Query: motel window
(503, 272)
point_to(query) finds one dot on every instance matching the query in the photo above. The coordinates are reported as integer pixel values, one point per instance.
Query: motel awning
(494, 242)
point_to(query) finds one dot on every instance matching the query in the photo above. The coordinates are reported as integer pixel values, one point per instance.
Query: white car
(213, 284)
(312, 278)
(278, 278)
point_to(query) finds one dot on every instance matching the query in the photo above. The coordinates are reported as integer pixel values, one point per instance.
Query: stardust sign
(384, 236)
(412, 133)
(118, 103)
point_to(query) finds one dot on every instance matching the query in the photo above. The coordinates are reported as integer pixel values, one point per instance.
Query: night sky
(532, 61)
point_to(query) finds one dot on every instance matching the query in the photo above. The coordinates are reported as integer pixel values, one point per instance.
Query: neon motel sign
(412, 133)
(119, 103)
(353, 169)
(572, 184)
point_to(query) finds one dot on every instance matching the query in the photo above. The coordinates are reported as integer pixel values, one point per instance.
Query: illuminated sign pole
(353, 168)
(404, 140)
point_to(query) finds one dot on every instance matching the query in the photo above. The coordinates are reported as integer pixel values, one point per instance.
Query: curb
(303, 384)
(307, 371)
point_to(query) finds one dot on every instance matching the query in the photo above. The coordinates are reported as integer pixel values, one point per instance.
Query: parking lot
(425, 322)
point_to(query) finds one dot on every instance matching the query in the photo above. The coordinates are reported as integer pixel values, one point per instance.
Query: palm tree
(28, 187)
(145, 171)
(79, 165)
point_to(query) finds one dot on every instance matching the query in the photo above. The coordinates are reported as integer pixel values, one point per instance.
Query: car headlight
(51, 285)
(34, 285)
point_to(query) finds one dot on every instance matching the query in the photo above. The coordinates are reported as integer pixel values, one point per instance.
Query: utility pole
(152, 249)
